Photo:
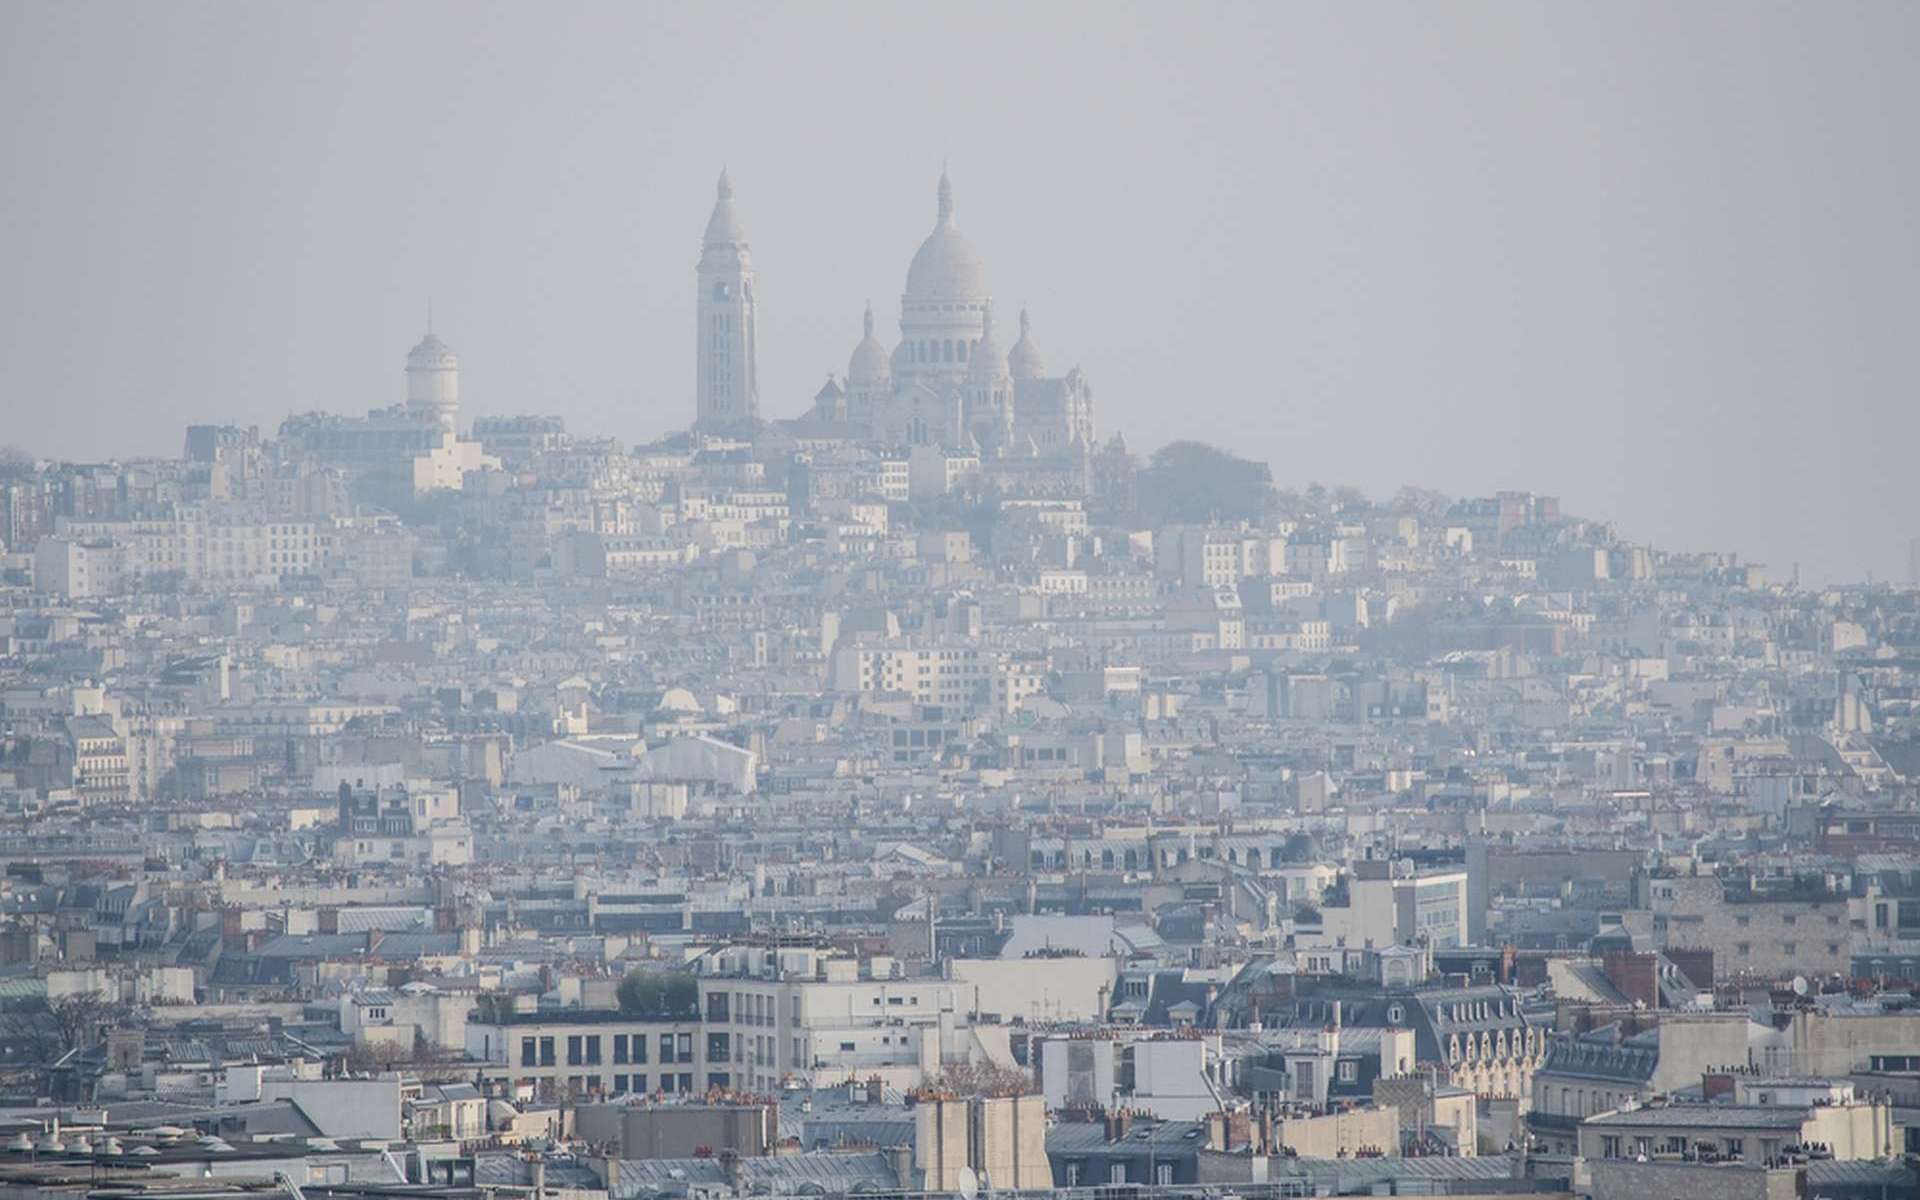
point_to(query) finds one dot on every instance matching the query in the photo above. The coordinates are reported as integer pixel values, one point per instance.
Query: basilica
(947, 383)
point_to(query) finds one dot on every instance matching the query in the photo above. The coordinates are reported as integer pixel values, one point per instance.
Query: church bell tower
(725, 374)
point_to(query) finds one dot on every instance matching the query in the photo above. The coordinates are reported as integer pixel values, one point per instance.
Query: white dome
(945, 268)
(431, 354)
(869, 363)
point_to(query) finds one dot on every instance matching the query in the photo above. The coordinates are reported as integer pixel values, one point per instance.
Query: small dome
(1024, 359)
(945, 268)
(869, 364)
(986, 362)
(431, 354)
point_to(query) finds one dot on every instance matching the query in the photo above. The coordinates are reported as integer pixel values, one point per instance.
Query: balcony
(1548, 1122)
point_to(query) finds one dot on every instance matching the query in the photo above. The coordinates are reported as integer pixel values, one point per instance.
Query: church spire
(725, 190)
(946, 197)
(867, 321)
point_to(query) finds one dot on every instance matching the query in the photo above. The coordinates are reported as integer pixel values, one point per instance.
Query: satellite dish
(968, 1184)
(1799, 985)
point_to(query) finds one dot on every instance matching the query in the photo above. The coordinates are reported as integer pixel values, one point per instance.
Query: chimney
(902, 1156)
(876, 1089)
(735, 1168)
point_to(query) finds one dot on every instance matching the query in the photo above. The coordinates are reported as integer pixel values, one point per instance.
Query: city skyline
(1541, 251)
(1226, 602)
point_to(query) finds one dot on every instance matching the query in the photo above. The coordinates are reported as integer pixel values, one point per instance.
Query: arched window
(947, 351)
(963, 350)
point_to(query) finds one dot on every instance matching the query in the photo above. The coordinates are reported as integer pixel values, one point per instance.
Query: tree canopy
(659, 994)
(1191, 481)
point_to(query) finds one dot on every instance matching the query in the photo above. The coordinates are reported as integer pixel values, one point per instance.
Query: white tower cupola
(433, 382)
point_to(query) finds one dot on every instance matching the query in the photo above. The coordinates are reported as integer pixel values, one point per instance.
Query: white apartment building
(1393, 904)
(74, 569)
(583, 1053)
(817, 1018)
(942, 673)
(203, 549)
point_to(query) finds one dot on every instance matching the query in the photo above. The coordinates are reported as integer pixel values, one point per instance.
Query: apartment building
(942, 673)
(592, 1053)
(810, 1017)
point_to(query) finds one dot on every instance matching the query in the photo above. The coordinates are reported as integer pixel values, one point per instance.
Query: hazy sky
(1658, 259)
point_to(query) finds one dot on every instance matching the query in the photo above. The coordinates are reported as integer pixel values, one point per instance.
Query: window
(718, 1049)
(639, 1083)
(593, 1049)
(639, 1047)
(1349, 1071)
(686, 1081)
(619, 1048)
(1743, 949)
(1116, 1172)
(573, 1050)
(529, 1055)
(666, 1048)
(1789, 948)
(684, 1042)
(619, 1085)
(546, 1052)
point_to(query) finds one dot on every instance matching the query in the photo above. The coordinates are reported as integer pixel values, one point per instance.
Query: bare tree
(982, 1079)
(82, 1018)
